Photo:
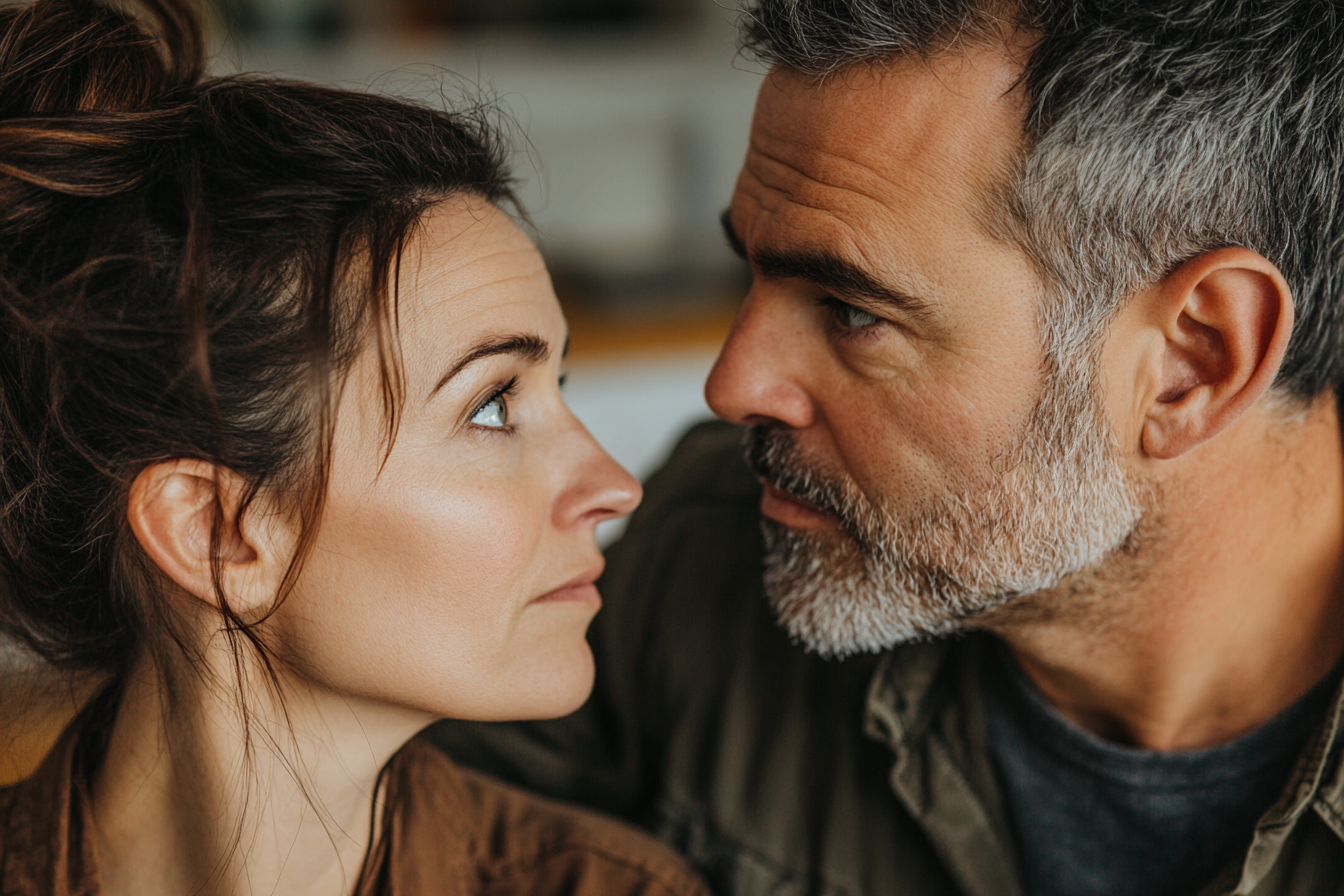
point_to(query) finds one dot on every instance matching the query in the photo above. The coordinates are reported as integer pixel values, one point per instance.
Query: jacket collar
(924, 703)
(900, 695)
(915, 685)
(1317, 783)
(46, 843)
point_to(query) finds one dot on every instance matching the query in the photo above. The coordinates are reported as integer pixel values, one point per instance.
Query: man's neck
(1226, 614)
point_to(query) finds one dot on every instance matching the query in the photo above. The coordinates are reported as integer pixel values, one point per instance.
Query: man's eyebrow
(531, 348)
(836, 275)
(827, 270)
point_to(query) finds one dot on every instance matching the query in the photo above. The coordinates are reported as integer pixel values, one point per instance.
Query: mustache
(775, 457)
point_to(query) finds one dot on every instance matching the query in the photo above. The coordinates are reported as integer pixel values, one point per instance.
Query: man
(1038, 377)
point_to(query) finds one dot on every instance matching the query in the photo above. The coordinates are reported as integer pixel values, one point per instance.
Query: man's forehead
(945, 129)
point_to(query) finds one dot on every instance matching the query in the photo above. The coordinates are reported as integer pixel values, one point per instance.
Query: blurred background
(629, 119)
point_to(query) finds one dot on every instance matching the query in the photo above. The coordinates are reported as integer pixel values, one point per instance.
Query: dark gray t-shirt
(1094, 818)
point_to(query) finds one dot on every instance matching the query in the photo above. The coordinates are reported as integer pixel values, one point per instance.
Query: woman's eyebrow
(530, 347)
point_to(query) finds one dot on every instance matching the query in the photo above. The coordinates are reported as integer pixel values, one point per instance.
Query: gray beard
(1064, 505)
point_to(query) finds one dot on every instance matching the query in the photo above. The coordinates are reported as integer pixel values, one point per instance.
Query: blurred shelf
(602, 335)
(626, 142)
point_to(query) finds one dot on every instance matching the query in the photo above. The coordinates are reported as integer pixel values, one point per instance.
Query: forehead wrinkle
(451, 279)
(511, 277)
(803, 178)
(810, 192)
(469, 260)
(982, 212)
(844, 240)
(788, 197)
(886, 154)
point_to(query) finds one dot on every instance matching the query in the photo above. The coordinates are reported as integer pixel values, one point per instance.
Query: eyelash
(506, 391)
(835, 310)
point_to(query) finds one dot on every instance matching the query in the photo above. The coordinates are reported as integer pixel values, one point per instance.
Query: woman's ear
(1224, 319)
(174, 508)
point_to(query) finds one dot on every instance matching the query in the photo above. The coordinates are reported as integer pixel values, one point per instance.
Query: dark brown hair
(188, 265)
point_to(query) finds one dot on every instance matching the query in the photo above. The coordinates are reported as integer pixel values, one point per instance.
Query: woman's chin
(572, 694)
(558, 668)
(563, 690)
(547, 683)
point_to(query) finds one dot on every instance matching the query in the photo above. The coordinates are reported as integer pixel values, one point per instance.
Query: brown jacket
(451, 832)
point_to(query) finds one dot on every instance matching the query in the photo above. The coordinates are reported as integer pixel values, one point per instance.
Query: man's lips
(579, 589)
(793, 511)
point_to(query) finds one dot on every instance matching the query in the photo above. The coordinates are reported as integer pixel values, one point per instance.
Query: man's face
(923, 460)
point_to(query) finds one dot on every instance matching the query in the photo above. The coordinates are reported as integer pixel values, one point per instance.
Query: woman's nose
(601, 489)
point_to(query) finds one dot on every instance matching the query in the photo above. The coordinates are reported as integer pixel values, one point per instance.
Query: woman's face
(455, 577)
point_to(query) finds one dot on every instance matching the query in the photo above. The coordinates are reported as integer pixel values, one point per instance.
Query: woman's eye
(856, 317)
(493, 413)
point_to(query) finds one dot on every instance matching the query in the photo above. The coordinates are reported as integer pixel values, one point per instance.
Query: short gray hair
(1157, 130)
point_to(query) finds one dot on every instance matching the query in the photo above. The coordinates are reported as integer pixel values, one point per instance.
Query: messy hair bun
(61, 58)
(187, 266)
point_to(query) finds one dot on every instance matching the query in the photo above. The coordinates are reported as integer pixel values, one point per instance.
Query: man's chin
(821, 589)
(836, 627)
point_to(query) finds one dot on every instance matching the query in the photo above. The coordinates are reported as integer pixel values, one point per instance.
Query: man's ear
(173, 509)
(1224, 318)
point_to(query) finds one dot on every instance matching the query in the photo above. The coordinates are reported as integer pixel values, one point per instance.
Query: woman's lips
(794, 512)
(582, 594)
(579, 589)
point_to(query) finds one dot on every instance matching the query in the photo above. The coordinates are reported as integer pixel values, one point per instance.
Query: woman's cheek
(466, 552)
(412, 586)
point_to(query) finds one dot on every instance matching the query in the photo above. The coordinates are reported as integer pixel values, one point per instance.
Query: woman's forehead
(472, 272)
(464, 245)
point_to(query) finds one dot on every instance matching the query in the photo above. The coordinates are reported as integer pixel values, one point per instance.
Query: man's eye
(494, 413)
(856, 317)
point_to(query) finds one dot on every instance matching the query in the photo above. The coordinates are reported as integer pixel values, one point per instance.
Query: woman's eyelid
(506, 393)
(492, 419)
(500, 393)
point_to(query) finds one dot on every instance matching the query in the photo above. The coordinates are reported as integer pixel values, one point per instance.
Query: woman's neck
(198, 795)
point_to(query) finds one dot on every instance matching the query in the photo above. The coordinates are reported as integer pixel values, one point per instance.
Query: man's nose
(760, 373)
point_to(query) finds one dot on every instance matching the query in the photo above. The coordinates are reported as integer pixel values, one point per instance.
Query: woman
(282, 451)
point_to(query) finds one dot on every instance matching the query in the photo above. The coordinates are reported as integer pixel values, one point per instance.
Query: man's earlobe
(1226, 317)
(176, 508)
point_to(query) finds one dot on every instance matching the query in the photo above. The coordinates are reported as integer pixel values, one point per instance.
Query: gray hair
(1157, 130)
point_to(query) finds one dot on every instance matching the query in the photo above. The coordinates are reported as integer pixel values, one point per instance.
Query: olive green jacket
(780, 773)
